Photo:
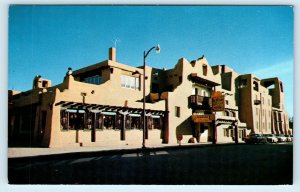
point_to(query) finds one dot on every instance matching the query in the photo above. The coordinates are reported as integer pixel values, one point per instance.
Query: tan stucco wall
(179, 98)
(110, 92)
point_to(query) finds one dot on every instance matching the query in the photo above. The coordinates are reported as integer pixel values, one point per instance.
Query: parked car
(271, 138)
(255, 138)
(281, 138)
(288, 138)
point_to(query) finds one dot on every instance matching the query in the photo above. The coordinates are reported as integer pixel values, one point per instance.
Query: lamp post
(157, 49)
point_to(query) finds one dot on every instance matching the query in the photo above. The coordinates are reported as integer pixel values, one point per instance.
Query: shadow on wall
(184, 128)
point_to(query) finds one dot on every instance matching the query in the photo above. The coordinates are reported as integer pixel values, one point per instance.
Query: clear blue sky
(46, 40)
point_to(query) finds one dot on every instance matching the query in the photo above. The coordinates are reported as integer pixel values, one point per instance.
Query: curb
(84, 154)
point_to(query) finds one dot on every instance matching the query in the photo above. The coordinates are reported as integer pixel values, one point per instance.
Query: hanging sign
(203, 118)
(218, 101)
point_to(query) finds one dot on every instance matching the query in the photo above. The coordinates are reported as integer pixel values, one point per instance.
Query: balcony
(154, 97)
(200, 101)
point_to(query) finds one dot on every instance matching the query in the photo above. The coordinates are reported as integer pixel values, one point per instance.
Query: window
(45, 84)
(269, 102)
(204, 68)
(96, 79)
(72, 119)
(130, 82)
(177, 111)
(255, 86)
(243, 83)
(98, 120)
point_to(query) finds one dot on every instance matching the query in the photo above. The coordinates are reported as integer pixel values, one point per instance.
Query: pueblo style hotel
(102, 105)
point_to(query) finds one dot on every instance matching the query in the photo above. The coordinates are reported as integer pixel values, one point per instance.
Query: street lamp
(157, 49)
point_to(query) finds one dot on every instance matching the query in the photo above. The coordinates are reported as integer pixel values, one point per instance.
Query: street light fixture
(157, 49)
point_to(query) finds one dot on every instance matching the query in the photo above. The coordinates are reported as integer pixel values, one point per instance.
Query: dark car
(255, 138)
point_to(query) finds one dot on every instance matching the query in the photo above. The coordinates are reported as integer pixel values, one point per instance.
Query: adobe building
(102, 105)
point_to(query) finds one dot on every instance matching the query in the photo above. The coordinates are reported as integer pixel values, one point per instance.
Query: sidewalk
(33, 152)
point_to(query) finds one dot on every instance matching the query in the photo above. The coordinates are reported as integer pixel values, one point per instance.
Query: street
(265, 164)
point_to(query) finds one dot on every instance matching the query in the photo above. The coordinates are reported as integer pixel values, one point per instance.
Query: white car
(271, 138)
(288, 138)
(281, 138)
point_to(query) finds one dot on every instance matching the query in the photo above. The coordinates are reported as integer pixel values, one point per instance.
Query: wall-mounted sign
(203, 118)
(218, 101)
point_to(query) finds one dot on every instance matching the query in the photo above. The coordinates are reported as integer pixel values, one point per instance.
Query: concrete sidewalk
(33, 152)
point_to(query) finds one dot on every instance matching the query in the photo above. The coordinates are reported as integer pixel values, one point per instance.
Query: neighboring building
(101, 105)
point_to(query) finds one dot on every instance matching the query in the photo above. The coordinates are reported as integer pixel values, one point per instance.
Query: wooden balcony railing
(197, 100)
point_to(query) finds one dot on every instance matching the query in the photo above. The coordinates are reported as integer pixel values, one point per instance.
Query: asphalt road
(266, 164)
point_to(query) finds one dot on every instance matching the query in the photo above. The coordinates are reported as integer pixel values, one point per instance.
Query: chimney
(112, 54)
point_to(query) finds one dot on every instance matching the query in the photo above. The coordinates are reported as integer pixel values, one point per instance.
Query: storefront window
(98, 121)
(72, 119)
(135, 122)
(108, 121)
